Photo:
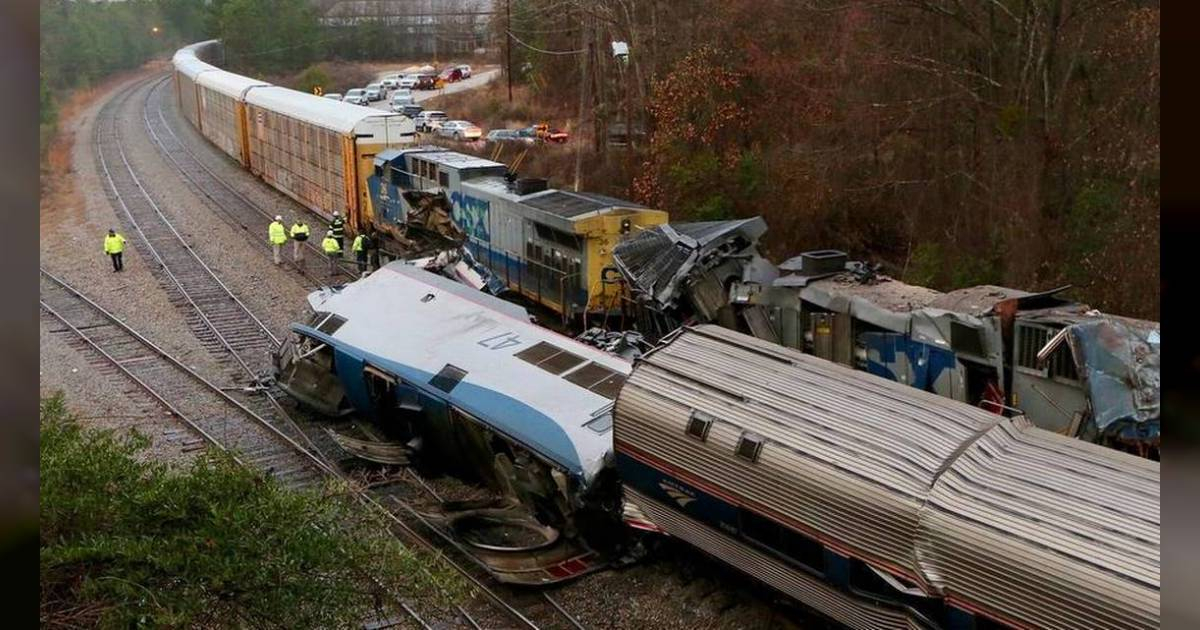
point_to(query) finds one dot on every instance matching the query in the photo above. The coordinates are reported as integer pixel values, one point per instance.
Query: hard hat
(335, 213)
(278, 218)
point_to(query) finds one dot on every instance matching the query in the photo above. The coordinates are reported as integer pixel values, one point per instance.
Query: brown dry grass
(60, 196)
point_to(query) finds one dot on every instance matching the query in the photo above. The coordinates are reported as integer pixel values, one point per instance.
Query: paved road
(478, 79)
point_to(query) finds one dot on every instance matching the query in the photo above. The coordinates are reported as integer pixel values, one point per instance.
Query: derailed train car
(550, 246)
(879, 505)
(453, 375)
(315, 150)
(1066, 367)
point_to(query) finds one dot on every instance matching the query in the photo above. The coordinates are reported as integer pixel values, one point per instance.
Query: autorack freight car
(880, 505)
(315, 150)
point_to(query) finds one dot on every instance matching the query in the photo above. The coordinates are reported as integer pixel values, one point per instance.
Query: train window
(964, 338)
(699, 424)
(1032, 340)
(448, 378)
(331, 324)
(783, 541)
(600, 423)
(529, 249)
(749, 446)
(443, 178)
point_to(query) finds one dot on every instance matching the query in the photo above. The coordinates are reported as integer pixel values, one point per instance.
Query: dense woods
(1011, 142)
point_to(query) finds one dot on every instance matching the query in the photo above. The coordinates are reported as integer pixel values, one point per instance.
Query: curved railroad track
(227, 328)
(236, 208)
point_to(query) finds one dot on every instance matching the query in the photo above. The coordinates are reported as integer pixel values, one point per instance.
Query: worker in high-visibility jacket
(333, 251)
(114, 244)
(299, 235)
(277, 234)
(338, 227)
(360, 252)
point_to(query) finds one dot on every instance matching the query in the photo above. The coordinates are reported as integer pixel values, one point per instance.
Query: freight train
(877, 504)
(315, 150)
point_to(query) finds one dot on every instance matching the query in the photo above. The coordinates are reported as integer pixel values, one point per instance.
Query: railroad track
(237, 209)
(228, 328)
(241, 428)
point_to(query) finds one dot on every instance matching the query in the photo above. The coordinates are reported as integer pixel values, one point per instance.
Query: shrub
(127, 542)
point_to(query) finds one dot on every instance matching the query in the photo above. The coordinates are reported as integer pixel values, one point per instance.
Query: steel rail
(343, 266)
(179, 285)
(170, 358)
(322, 468)
(362, 495)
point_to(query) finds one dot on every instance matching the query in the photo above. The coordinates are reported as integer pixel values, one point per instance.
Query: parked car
(425, 82)
(545, 133)
(465, 70)
(374, 92)
(411, 110)
(400, 98)
(333, 95)
(430, 120)
(358, 96)
(460, 130)
(407, 81)
(509, 135)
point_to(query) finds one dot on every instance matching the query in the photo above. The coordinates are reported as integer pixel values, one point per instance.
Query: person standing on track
(278, 236)
(338, 227)
(360, 251)
(299, 236)
(333, 250)
(114, 244)
(373, 247)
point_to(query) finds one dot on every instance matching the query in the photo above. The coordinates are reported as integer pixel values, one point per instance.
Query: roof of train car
(415, 323)
(564, 205)
(846, 454)
(186, 61)
(889, 294)
(228, 83)
(1033, 507)
(324, 112)
(453, 159)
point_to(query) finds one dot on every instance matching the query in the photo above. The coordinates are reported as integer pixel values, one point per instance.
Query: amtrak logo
(681, 496)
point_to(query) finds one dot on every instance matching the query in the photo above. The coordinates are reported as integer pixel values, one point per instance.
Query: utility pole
(584, 84)
(508, 45)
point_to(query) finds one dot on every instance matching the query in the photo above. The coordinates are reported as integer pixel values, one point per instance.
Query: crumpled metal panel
(1121, 370)
(1046, 530)
(657, 261)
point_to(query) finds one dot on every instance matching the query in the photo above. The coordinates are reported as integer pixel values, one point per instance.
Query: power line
(544, 51)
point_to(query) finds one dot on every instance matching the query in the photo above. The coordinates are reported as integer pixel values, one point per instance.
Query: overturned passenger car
(452, 375)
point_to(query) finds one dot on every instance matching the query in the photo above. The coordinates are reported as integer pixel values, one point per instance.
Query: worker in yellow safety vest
(332, 250)
(299, 236)
(114, 244)
(360, 253)
(278, 236)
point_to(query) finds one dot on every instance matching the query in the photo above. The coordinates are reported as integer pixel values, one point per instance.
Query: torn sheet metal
(656, 262)
(1119, 361)
(394, 453)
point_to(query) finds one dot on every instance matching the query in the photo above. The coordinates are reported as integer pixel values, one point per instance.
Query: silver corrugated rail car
(881, 505)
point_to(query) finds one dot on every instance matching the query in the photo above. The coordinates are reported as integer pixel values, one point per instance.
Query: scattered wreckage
(1068, 368)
